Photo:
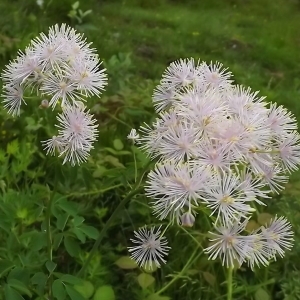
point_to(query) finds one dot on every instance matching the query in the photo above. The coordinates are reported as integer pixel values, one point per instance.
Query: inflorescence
(62, 68)
(218, 146)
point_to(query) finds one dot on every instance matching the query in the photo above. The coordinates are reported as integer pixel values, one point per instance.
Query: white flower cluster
(62, 68)
(219, 146)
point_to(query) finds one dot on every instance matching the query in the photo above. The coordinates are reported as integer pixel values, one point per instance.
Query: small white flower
(150, 247)
(175, 188)
(180, 73)
(133, 135)
(77, 133)
(53, 145)
(228, 244)
(13, 98)
(224, 197)
(278, 234)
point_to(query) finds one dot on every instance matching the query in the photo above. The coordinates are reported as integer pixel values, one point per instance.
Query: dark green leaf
(19, 286)
(58, 289)
(89, 231)
(50, 265)
(57, 239)
(79, 234)
(5, 266)
(11, 294)
(71, 246)
(39, 279)
(62, 221)
(78, 220)
(38, 241)
(68, 207)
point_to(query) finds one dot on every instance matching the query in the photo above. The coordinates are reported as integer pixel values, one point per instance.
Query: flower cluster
(62, 68)
(150, 247)
(220, 146)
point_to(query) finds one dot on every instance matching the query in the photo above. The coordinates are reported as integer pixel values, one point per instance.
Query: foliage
(137, 40)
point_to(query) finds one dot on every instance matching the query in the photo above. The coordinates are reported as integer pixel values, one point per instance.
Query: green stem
(76, 194)
(106, 226)
(49, 237)
(229, 283)
(181, 272)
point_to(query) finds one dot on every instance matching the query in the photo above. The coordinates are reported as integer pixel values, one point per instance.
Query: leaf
(86, 289)
(71, 279)
(79, 234)
(68, 207)
(71, 246)
(264, 218)
(58, 290)
(75, 5)
(89, 231)
(118, 145)
(5, 266)
(11, 294)
(157, 297)
(21, 274)
(104, 292)
(57, 240)
(261, 294)
(210, 278)
(50, 265)
(126, 262)
(39, 279)
(74, 295)
(12, 147)
(78, 220)
(145, 280)
(38, 241)
(62, 221)
(19, 286)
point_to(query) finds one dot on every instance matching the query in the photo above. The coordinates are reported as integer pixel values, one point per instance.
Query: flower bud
(187, 219)
(44, 104)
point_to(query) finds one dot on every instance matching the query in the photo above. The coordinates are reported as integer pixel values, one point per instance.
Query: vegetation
(137, 39)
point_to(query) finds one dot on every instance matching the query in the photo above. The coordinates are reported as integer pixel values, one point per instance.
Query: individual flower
(150, 247)
(228, 243)
(13, 98)
(76, 135)
(180, 74)
(59, 86)
(279, 235)
(215, 75)
(133, 135)
(224, 197)
(174, 188)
